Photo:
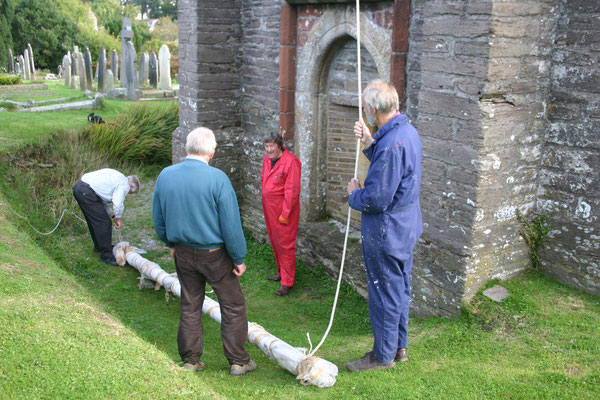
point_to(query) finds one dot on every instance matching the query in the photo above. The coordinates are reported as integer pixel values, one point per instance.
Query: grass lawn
(72, 327)
(17, 128)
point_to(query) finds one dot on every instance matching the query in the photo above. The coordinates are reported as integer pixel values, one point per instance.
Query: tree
(50, 33)
(155, 8)
(6, 39)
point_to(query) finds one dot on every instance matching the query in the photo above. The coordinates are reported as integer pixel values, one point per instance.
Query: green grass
(72, 327)
(18, 128)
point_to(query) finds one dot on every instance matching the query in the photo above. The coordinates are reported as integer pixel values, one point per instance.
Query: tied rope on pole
(337, 291)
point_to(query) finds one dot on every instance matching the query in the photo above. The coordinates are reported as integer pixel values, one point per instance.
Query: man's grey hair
(201, 141)
(382, 96)
(274, 137)
(135, 182)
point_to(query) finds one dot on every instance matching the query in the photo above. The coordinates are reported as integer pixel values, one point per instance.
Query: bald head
(382, 96)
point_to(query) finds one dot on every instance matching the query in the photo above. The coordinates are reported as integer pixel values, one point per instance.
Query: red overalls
(281, 197)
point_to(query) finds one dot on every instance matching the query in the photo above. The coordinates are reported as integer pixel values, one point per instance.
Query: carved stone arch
(333, 28)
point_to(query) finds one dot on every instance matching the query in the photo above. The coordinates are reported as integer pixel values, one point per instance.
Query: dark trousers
(97, 219)
(195, 268)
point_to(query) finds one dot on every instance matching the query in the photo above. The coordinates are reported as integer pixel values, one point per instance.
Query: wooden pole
(309, 370)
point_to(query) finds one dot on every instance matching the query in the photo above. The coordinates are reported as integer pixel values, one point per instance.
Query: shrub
(10, 80)
(141, 133)
(534, 231)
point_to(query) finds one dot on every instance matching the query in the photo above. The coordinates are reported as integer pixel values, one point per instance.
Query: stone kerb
(333, 26)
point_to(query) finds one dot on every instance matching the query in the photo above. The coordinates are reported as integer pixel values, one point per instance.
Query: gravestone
(153, 70)
(130, 60)
(126, 35)
(110, 82)
(82, 74)
(87, 59)
(75, 82)
(18, 66)
(67, 69)
(114, 64)
(164, 67)
(31, 63)
(26, 64)
(11, 62)
(73, 64)
(143, 72)
(101, 70)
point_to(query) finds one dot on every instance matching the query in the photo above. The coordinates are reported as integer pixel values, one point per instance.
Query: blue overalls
(391, 224)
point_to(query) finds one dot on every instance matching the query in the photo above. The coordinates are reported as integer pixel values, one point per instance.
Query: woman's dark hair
(274, 138)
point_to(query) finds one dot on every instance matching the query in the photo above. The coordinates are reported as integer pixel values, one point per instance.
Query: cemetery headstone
(88, 69)
(82, 74)
(126, 35)
(130, 60)
(31, 63)
(11, 62)
(75, 82)
(114, 64)
(27, 65)
(143, 73)
(67, 69)
(153, 71)
(101, 70)
(110, 82)
(18, 66)
(164, 68)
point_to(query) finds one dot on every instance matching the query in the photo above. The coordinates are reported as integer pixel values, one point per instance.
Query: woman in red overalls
(280, 181)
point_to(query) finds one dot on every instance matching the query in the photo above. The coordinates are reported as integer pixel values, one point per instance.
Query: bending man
(391, 221)
(196, 215)
(280, 182)
(94, 193)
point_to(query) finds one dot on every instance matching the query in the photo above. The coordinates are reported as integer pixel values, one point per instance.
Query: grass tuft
(141, 133)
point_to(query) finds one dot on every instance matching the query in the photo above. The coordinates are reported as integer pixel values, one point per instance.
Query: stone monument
(67, 69)
(101, 70)
(31, 63)
(27, 65)
(143, 72)
(164, 68)
(11, 62)
(153, 70)
(114, 64)
(87, 59)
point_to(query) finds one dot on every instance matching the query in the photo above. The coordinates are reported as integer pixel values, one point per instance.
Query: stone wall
(260, 101)
(210, 60)
(504, 94)
(570, 182)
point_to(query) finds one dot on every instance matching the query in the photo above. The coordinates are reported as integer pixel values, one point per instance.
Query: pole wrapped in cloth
(310, 371)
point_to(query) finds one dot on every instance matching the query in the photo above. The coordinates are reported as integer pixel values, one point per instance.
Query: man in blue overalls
(391, 221)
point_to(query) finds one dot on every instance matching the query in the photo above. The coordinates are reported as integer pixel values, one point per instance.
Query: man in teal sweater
(196, 215)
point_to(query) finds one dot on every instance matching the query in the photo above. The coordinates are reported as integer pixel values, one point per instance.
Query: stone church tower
(504, 93)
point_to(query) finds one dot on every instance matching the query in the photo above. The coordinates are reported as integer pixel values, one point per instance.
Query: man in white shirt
(94, 193)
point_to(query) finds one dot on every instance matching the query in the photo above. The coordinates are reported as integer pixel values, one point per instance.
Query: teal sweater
(195, 205)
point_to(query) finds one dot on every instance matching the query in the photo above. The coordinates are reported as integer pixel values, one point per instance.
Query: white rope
(32, 227)
(337, 290)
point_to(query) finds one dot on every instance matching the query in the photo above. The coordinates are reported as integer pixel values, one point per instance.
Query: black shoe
(110, 261)
(368, 362)
(275, 277)
(283, 291)
(401, 355)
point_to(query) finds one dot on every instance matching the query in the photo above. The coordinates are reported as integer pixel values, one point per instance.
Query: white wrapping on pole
(337, 291)
(310, 371)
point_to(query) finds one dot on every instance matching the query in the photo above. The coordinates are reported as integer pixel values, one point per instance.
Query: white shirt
(111, 186)
(197, 158)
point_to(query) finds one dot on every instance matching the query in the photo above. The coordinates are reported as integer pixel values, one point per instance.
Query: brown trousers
(195, 268)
